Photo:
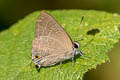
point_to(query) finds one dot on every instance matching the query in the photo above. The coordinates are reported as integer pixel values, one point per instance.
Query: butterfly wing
(51, 40)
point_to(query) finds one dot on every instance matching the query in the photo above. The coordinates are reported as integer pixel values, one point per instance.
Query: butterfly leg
(81, 53)
(60, 66)
(73, 61)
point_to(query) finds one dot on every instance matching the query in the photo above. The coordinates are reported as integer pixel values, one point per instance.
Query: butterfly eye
(37, 56)
(75, 44)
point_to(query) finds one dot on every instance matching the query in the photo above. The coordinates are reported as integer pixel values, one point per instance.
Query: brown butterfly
(51, 44)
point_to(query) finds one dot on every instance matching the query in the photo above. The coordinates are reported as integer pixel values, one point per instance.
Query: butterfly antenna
(79, 27)
(87, 44)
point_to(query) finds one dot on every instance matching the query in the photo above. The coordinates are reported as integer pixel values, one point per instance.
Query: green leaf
(99, 32)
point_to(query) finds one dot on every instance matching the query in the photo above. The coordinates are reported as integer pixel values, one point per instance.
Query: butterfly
(51, 44)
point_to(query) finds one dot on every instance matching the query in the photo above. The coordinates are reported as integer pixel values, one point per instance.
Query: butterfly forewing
(47, 26)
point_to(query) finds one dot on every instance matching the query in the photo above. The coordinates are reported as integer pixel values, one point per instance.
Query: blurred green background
(13, 10)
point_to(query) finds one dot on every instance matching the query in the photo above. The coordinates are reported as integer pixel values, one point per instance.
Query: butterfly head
(75, 47)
